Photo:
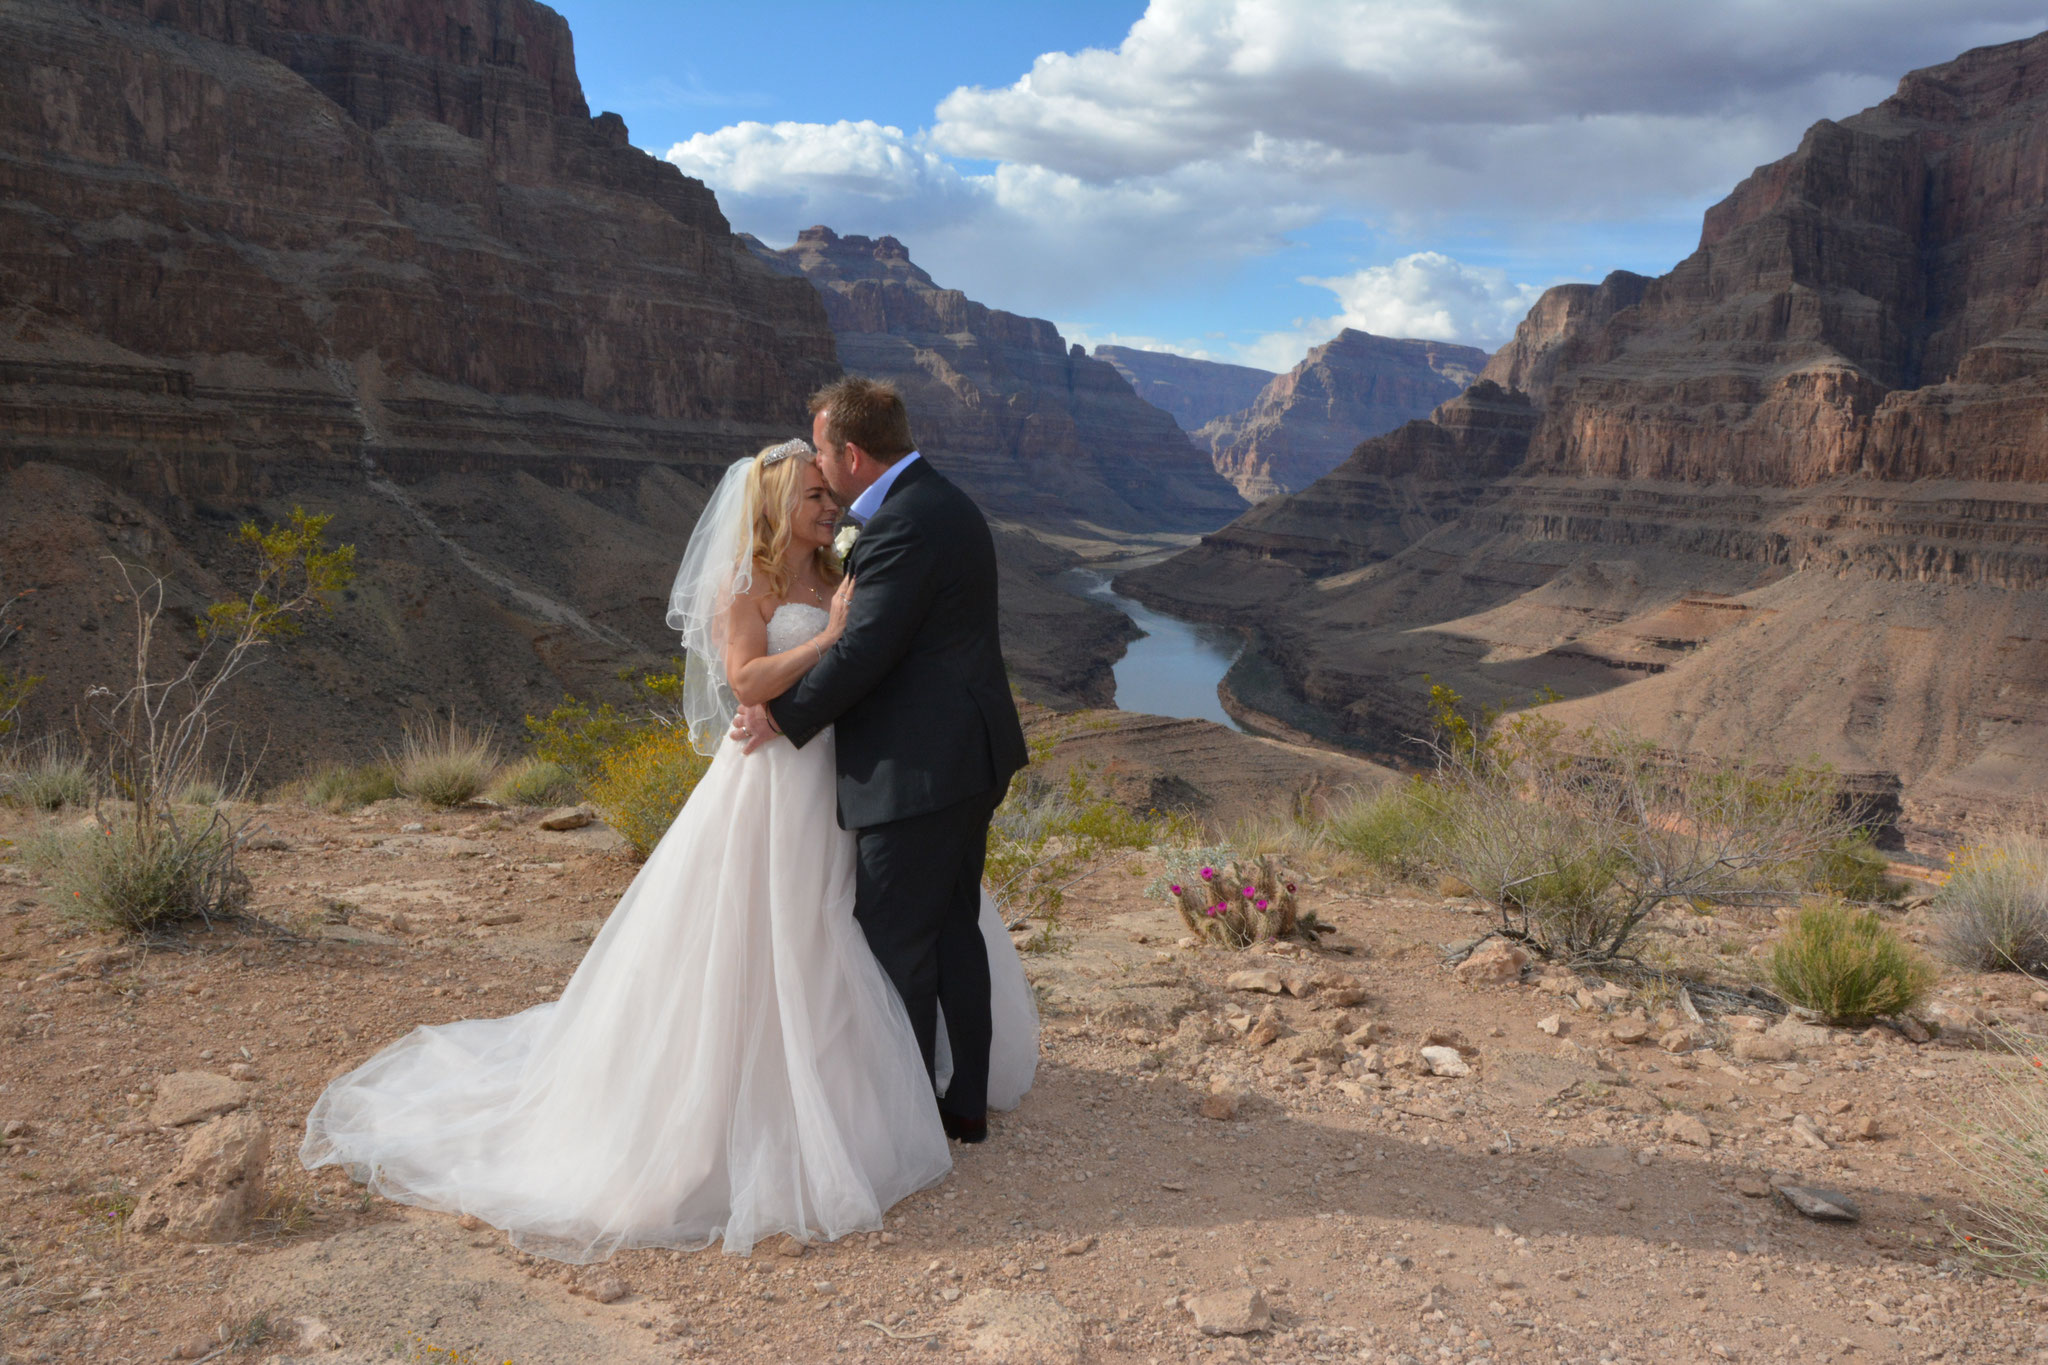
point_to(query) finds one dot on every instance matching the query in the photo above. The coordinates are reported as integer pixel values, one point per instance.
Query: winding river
(1174, 668)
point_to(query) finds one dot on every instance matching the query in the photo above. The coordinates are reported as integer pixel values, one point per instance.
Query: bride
(729, 1061)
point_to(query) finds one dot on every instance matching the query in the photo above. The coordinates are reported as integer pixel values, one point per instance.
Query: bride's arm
(755, 674)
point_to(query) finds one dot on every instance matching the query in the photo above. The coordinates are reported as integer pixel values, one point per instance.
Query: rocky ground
(1251, 1143)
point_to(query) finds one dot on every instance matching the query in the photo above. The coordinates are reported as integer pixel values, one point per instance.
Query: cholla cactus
(1238, 903)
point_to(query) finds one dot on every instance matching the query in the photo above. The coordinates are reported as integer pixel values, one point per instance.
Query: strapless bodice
(793, 623)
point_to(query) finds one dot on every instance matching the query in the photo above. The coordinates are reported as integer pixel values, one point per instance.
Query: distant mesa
(1194, 391)
(1042, 433)
(1788, 501)
(1305, 422)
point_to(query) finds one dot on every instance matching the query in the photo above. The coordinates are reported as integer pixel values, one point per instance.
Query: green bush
(134, 880)
(1843, 963)
(339, 787)
(641, 786)
(580, 739)
(1993, 910)
(49, 781)
(445, 765)
(1854, 869)
(1393, 829)
(534, 782)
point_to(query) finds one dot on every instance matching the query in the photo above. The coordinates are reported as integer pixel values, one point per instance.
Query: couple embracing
(805, 992)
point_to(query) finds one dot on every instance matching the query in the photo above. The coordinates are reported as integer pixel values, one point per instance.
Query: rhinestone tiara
(776, 454)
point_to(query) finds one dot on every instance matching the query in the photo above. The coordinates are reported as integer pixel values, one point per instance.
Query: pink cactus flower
(1262, 905)
(1174, 889)
(1208, 874)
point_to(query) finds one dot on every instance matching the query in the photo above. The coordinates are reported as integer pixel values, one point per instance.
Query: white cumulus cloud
(1218, 130)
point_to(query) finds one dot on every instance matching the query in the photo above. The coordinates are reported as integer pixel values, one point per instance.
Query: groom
(927, 733)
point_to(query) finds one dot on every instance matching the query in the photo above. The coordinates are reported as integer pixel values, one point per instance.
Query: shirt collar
(870, 501)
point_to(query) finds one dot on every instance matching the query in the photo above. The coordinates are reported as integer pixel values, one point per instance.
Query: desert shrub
(444, 765)
(580, 738)
(534, 781)
(1993, 910)
(339, 787)
(1052, 831)
(1393, 829)
(1844, 964)
(641, 785)
(2004, 1151)
(1576, 839)
(1854, 869)
(47, 779)
(115, 878)
(1233, 901)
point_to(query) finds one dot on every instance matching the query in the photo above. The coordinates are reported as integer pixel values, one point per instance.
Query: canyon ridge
(1789, 501)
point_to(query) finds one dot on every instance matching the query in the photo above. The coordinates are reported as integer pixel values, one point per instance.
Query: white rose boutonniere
(842, 542)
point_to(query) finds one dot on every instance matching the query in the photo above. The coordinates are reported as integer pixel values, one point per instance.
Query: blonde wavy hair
(772, 491)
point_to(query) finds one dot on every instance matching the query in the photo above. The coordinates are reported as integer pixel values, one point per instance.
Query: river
(1174, 668)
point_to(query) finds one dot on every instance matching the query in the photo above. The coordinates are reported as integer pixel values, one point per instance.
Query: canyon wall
(1354, 386)
(1041, 433)
(1194, 392)
(1788, 501)
(376, 258)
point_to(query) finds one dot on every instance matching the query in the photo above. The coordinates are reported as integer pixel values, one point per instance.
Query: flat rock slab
(1534, 1079)
(1018, 1329)
(1827, 1206)
(568, 818)
(1236, 1312)
(193, 1096)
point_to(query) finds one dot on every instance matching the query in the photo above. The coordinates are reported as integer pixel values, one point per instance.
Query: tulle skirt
(728, 1062)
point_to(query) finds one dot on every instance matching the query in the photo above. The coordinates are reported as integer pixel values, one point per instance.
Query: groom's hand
(754, 725)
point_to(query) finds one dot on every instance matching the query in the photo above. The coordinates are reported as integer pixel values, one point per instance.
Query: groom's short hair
(867, 412)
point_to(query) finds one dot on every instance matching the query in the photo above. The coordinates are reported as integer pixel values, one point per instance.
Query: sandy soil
(1538, 1210)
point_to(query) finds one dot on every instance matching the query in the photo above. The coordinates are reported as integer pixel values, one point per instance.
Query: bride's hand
(842, 603)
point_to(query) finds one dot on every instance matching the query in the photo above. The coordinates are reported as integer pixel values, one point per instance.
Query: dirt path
(1547, 1207)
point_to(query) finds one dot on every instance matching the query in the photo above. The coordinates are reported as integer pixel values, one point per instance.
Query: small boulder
(1800, 1034)
(191, 1096)
(216, 1187)
(1222, 1102)
(1629, 1028)
(1495, 962)
(1678, 1040)
(602, 1289)
(1313, 1044)
(1764, 1047)
(1266, 1031)
(569, 817)
(1239, 1311)
(1266, 981)
(1445, 1061)
(1826, 1206)
(1866, 1129)
(1687, 1128)
(1552, 1024)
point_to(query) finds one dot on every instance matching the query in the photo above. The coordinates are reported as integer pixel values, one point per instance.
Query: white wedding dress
(728, 1062)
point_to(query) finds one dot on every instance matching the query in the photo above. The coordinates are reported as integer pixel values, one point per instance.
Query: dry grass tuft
(339, 788)
(1844, 964)
(48, 779)
(2004, 1150)
(135, 880)
(445, 764)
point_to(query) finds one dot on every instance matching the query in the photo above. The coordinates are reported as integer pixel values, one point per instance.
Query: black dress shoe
(962, 1129)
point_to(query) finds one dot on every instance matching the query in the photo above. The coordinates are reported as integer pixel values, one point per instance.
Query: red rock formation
(375, 257)
(1038, 431)
(1789, 500)
(1194, 392)
(1351, 387)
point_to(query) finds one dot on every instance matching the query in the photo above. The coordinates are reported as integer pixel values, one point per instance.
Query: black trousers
(918, 900)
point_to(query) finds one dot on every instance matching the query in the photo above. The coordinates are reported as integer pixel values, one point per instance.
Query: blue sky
(1241, 178)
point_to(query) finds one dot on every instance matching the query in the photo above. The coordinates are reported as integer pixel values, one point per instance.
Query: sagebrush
(1992, 912)
(116, 877)
(1394, 829)
(1577, 838)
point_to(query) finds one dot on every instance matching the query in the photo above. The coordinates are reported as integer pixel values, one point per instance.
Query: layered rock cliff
(378, 259)
(1040, 432)
(1789, 500)
(1354, 386)
(1194, 392)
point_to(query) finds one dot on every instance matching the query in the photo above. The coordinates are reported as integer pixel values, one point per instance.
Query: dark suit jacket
(916, 685)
